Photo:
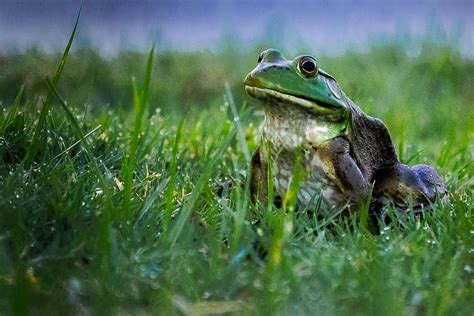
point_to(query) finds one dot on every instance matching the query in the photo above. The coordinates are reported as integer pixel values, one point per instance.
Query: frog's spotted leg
(405, 186)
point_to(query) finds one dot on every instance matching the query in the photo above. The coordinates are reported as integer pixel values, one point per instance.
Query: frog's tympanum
(346, 156)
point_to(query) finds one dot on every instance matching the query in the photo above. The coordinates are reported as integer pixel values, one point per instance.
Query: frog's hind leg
(407, 188)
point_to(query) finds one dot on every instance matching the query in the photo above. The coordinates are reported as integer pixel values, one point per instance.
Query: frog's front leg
(406, 186)
(348, 175)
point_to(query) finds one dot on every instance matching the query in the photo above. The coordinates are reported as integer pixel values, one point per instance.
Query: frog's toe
(431, 180)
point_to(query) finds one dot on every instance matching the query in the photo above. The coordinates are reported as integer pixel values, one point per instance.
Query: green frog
(345, 156)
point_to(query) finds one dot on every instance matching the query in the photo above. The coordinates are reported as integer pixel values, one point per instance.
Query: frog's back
(371, 142)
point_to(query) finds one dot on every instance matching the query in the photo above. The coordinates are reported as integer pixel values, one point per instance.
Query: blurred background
(397, 59)
(323, 26)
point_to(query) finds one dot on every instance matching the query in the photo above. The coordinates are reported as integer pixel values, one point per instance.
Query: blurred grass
(189, 242)
(386, 81)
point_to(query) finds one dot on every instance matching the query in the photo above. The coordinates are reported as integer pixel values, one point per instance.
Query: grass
(144, 212)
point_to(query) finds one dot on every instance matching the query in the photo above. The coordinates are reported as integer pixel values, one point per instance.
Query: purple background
(327, 26)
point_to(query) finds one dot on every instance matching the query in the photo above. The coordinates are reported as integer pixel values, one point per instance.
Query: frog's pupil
(260, 57)
(308, 66)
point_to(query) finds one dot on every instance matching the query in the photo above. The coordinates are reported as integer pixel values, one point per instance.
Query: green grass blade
(131, 158)
(172, 177)
(35, 143)
(77, 142)
(291, 196)
(270, 186)
(240, 130)
(13, 110)
(136, 96)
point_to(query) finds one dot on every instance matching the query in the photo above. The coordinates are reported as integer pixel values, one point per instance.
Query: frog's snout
(268, 60)
(250, 80)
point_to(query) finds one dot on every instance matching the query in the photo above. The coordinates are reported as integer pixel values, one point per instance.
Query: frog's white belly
(289, 130)
(316, 182)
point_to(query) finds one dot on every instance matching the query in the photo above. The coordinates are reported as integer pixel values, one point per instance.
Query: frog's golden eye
(308, 67)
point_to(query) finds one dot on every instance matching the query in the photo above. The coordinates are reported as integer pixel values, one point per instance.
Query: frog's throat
(273, 96)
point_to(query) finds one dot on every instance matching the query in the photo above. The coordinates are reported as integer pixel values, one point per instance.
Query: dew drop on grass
(416, 298)
(468, 268)
(142, 269)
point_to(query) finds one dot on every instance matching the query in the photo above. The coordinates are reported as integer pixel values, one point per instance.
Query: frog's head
(299, 82)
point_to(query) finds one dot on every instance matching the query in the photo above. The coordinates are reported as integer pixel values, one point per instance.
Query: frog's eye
(260, 57)
(308, 67)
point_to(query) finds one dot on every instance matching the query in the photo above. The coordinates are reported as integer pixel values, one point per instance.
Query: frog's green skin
(343, 152)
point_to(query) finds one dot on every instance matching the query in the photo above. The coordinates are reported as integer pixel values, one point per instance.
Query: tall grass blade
(13, 110)
(240, 130)
(35, 143)
(172, 178)
(140, 104)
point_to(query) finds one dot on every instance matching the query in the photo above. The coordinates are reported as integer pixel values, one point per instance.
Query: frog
(346, 158)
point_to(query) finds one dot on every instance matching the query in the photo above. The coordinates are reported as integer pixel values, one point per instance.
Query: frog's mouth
(273, 96)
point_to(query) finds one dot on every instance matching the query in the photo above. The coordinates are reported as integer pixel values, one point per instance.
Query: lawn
(130, 196)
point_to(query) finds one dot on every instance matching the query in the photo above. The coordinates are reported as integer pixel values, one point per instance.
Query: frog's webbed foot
(408, 187)
(433, 184)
